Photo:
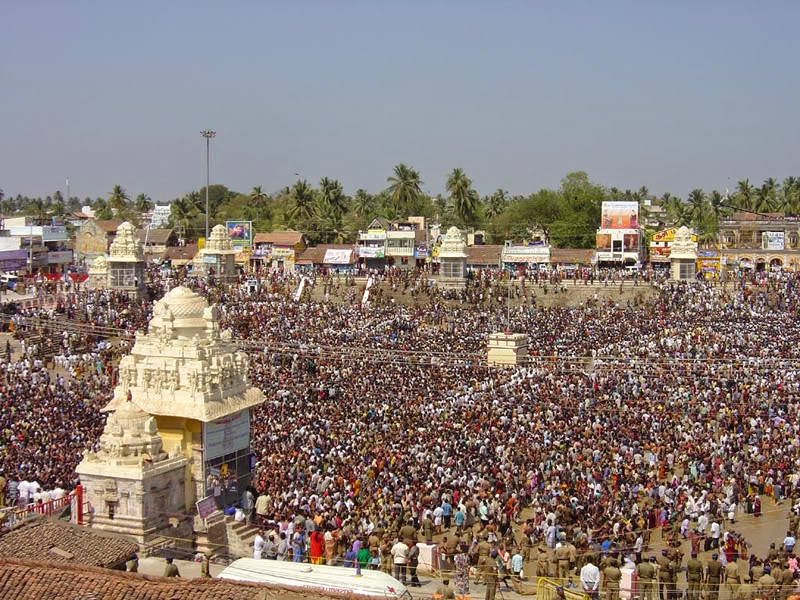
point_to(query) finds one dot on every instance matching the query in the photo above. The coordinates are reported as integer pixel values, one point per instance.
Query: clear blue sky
(673, 94)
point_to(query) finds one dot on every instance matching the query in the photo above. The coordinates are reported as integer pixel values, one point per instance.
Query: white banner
(226, 435)
(772, 240)
(338, 256)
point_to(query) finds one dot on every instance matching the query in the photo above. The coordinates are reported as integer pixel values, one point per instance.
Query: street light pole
(208, 134)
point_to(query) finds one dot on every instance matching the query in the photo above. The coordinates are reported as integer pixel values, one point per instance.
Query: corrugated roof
(44, 538)
(30, 579)
(571, 256)
(279, 238)
(488, 255)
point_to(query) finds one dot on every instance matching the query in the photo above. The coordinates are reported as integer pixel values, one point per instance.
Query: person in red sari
(315, 552)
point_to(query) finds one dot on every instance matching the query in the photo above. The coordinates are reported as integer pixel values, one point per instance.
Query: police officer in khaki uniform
(713, 576)
(732, 578)
(562, 556)
(646, 570)
(541, 561)
(694, 577)
(611, 579)
(766, 584)
(484, 549)
(664, 575)
(756, 572)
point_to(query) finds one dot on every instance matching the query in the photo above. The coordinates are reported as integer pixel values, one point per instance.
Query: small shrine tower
(126, 262)
(453, 260)
(219, 255)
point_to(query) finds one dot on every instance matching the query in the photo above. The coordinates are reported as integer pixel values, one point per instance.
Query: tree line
(567, 216)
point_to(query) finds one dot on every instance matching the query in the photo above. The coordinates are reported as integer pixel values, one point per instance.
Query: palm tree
(697, 204)
(58, 208)
(332, 196)
(196, 200)
(496, 203)
(302, 197)
(463, 197)
(143, 204)
(677, 211)
(763, 198)
(118, 199)
(258, 197)
(183, 211)
(102, 211)
(744, 195)
(363, 203)
(716, 202)
(791, 195)
(405, 187)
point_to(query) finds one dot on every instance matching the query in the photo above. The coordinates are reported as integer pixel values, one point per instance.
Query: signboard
(240, 232)
(526, 254)
(59, 257)
(201, 243)
(772, 240)
(371, 252)
(373, 235)
(421, 252)
(279, 251)
(619, 215)
(631, 242)
(209, 260)
(226, 435)
(603, 241)
(337, 256)
(206, 507)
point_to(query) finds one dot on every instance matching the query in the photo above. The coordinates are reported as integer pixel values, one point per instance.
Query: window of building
(687, 270)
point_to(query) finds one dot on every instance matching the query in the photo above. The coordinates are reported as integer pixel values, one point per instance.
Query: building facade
(759, 242)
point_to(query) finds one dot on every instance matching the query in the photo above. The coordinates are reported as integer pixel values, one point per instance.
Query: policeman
(732, 579)
(612, 577)
(694, 577)
(664, 575)
(646, 570)
(713, 576)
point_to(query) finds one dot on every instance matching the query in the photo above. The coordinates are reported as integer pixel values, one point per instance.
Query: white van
(316, 578)
(9, 280)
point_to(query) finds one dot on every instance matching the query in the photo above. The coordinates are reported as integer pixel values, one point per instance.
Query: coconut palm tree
(405, 188)
(258, 197)
(496, 203)
(302, 199)
(363, 203)
(143, 204)
(118, 199)
(763, 201)
(102, 211)
(677, 211)
(716, 203)
(332, 196)
(462, 196)
(183, 211)
(744, 195)
(697, 204)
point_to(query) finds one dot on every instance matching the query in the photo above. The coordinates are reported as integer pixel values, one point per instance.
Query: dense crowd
(677, 412)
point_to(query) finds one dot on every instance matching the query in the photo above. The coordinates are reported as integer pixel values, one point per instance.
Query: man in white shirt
(715, 531)
(400, 556)
(258, 545)
(590, 580)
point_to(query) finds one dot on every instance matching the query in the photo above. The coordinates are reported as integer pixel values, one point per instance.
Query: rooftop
(29, 579)
(279, 238)
(44, 538)
(108, 226)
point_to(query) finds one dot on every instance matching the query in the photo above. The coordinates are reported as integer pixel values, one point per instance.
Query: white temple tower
(126, 262)
(453, 260)
(219, 255)
(192, 381)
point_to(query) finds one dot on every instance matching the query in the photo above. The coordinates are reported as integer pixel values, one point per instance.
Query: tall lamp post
(208, 134)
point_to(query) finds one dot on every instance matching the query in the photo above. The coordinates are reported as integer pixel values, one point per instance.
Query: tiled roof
(315, 255)
(29, 579)
(108, 226)
(186, 252)
(279, 238)
(156, 236)
(52, 540)
(488, 255)
(571, 256)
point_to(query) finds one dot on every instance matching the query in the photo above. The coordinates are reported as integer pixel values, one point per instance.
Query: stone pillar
(506, 349)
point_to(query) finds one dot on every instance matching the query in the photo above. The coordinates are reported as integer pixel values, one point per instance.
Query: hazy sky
(672, 94)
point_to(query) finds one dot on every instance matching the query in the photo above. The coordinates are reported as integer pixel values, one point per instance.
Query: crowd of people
(678, 412)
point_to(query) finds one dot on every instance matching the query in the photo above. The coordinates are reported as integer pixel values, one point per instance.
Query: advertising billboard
(619, 215)
(603, 241)
(631, 242)
(226, 435)
(240, 232)
(772, 240)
